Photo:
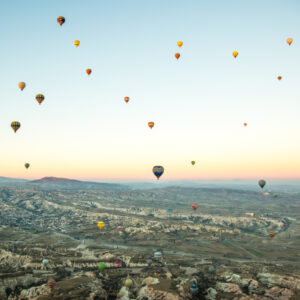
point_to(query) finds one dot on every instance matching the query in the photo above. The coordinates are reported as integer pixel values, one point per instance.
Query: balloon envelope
(158, 171)
(235, 54)
(22, 85)
(76, 43)
(101, 266)
(15, 125)
(193, 162)
(61, 20)
(194, 206)
(177, 55)
(179, 43)
(289, 41)
(261, 183)
(271, 234)
(279, 77)
(151, 124)
(100, 225)
(88, 71)
(126, 99)
(27, 165)
(39, 98)
(51, 283)
(128, 282)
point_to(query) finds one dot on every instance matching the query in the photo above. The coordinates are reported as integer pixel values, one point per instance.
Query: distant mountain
(72, 184)
(8, 180)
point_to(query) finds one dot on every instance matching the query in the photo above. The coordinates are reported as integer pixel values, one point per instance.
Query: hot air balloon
(245, 124)
(128, 282)
(262, 183)
(51, 283)
(157, 273)
(177, 55)
(119, 228)
(194, 288)
(158, 171)
(101, 266)
(151, 124)
(279, 77)
(193, 162)
(27, 165)
(45, 261)
(88, 71)
(271, 234)
(179, 43)
(126, 99)
(194, 206)
(169, 209)
(100, 225)
(289, 41)
(76, 43)
(39, 98)
(22, 85)
(235, 54)
(149, 262)
(117, 263)
(61, 20)
(15, 126)
(157, 254)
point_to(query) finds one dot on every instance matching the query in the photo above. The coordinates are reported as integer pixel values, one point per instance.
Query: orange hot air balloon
(76, 43)
(22, 85)
(289, 41)
(245, 124)
(151, 124)
(126, 99)
(279, 77)
(235, 54)
(177, 55)
(61, 20)
(271, 234)
(88, 71)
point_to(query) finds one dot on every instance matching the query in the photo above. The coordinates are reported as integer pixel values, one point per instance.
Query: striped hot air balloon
(39, 98)
(15, 125)
(51, 283)
(158, 171)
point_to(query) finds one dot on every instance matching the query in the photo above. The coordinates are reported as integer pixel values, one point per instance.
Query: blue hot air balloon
(158, 171)
(194, 288)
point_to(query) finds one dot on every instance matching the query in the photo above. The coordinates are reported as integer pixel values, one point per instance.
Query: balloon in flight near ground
(149, 262)
(100, 225)
(39, 98)
(279, 77)
(193, 162)
(179, 43)
(88, 71)
(119, 228)
(15, 125)
(271, 234)
(158, 171)
(151, 124)
(128, 282)
(27, 165)
(117, 263)
(289, 41)
(61, 20)
(51, 283)
(262, 183)
(194, 206)
(76, 43)
(235, 54)
(45, 261)
(157, 273)
(22, 85)
(194, 288)
(177, 55)
(101, 266)
(126, 99)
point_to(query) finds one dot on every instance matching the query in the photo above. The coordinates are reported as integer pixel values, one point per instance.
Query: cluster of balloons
(179, 44)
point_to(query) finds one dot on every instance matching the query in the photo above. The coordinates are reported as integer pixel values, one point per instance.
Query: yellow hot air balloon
(76, 43)
(100, 225)
(289, 41)
(235, 54)
(179, 43)
(22, 85)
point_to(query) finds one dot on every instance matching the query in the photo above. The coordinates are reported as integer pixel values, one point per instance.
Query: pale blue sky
(198, 103)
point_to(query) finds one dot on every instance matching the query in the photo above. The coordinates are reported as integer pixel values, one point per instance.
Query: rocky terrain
(220, 250)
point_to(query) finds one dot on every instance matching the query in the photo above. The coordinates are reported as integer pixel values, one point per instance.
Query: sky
(85, 130)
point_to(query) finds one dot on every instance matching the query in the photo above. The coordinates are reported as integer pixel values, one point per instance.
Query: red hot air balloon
(194, 206)
(117, 263)
(119, 228)
(51, 283)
